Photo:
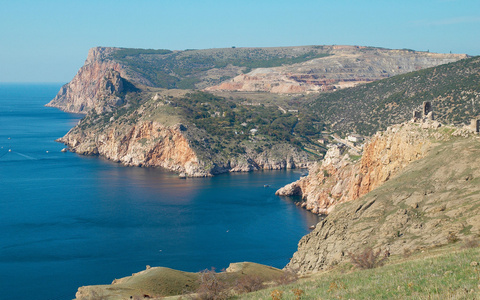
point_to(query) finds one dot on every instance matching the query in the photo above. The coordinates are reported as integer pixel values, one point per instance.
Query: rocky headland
(156, 134)
(133, 101)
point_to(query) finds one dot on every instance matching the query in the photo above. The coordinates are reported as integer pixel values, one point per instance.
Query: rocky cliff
(339, 179)
(98, 85)
(151, 144)
(420, 189)
(148, 144)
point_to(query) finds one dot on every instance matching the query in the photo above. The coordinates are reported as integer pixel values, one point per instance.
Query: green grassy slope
(446, 273)
(453, 89)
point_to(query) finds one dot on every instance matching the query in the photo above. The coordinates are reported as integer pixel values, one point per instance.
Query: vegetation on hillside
(231, 128)
(453, 89)
(446, 273)
(182, 69)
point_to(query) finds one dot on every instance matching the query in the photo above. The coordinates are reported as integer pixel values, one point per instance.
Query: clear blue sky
(48, 40)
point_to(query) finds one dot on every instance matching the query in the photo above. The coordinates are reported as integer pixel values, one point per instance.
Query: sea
(68, 220)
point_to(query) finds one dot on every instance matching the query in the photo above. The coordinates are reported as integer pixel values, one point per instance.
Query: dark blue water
(68, 220)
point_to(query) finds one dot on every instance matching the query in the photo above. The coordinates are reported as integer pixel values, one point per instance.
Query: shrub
(248, 283)
(276, 294)
(470, 243)
(452, 238)
(368, 259)
(286, 278)
(298, 293)
(211, 287)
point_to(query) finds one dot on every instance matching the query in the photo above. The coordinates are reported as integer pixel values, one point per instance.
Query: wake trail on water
(26, 156)
(16, 152)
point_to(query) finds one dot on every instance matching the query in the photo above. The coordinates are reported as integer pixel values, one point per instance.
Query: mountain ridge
(299, 69)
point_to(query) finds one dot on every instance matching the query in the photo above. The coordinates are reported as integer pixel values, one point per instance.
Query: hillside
(431, 201)
(197, 134)
(453, 89)
(109, 73)
(137, 115)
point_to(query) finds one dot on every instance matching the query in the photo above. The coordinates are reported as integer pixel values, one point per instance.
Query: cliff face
(430, 198)
(338, 179)
(148, 144)
(98, 85)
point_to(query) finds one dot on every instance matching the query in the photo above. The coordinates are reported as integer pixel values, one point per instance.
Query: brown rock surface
(337, 179)
(96, 85)
(423, 204)
(148, 144)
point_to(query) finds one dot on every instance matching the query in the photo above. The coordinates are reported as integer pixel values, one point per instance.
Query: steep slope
(431, 202)
(100, 84)
(109, 73)
(339, 179)
(452, 89)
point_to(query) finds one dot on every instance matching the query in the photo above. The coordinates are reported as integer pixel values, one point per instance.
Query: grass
(446, 273)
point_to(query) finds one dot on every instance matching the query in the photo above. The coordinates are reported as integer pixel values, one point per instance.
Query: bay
(68, 220)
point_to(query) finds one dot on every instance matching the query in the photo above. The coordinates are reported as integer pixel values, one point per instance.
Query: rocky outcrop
(338, 179)
(347, 66)
(98, 85)
(148, 144)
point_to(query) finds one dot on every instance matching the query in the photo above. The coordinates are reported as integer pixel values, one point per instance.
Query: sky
(48, 40)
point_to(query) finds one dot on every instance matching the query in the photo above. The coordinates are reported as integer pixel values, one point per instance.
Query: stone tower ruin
(475, 125)
(425, 114)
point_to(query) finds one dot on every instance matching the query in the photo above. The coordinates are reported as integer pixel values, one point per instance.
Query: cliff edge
(420, 188)
(340, 178)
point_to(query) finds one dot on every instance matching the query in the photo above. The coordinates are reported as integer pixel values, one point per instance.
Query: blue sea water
(68, 221)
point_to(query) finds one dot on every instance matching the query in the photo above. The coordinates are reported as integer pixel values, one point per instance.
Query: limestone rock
(338, 179)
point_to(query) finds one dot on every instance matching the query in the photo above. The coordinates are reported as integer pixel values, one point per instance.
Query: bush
(248, 283)
(276, 294)
(470, 243)
(211, 287)
(368, 259)
(286, 278)
(452, 238)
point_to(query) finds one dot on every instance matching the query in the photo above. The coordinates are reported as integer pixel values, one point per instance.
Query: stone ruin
(426, 114)
(475, 125)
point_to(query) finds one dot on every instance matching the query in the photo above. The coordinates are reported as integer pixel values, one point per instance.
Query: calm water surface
(68, 221)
